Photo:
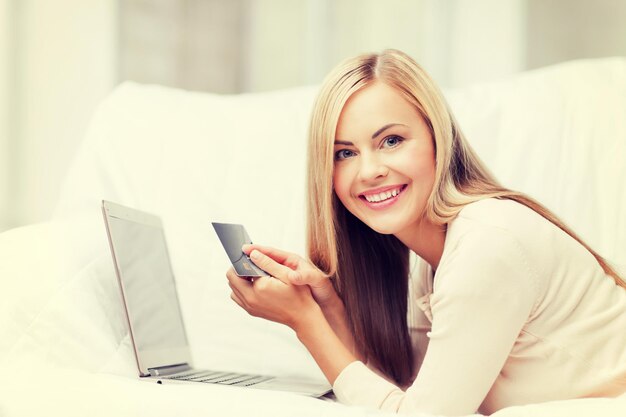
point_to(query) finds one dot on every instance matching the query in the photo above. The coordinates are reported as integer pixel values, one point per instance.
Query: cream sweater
(518, 312)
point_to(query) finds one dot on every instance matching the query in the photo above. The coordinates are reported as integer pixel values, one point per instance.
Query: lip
(381, 189)
(383, 204)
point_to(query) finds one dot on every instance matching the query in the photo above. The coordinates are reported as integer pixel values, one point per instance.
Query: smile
(382, 198)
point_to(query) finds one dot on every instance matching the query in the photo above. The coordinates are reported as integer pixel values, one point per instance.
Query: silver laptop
(153, 313)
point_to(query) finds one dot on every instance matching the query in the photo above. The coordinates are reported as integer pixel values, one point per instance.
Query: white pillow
(194, 158)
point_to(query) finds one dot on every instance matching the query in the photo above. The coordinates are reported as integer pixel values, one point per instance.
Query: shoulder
(491, 245)
(500, 213)
(493, 223)
(501, 227)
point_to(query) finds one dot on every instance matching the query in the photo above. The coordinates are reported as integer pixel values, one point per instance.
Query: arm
(326, 347)
(335, 314)
(483, 297)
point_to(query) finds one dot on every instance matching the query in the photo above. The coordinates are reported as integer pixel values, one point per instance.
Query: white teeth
(375, 198)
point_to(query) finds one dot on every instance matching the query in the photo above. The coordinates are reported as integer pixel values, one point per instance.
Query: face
(384, 165)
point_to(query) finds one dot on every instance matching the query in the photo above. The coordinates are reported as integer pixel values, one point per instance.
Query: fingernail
(245, 246)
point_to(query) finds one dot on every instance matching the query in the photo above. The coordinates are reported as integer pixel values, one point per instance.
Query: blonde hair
(460, 178)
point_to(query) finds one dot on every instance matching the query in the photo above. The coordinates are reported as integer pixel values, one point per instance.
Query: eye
(343, 154)
(391, 141)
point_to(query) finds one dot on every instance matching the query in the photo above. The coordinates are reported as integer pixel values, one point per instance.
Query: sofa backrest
(558, 134)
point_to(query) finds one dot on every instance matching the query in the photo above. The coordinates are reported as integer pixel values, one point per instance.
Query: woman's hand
(273, 299)
(296, 270)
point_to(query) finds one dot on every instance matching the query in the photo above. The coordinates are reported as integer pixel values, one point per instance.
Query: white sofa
(557, 133)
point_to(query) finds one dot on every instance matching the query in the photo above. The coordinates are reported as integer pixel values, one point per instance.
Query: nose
(372, 167)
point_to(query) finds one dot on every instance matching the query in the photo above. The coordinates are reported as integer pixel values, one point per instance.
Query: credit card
(233, 237)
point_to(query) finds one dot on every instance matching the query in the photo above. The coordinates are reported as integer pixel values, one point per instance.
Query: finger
(231, 275)
(282, 257)
(270, 266)
(236, 282)
(262, 283)
(241, 299)
(237, 300)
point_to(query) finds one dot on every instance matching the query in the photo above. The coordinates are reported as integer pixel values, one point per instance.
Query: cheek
(342, 183)
(425, 176)
(424, 168)
(419, 165)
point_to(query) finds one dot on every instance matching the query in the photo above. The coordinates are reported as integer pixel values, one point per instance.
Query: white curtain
(6, 53)
(58, 62)
(458, 41)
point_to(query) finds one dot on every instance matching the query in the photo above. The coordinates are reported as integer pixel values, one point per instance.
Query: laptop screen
(149, 291)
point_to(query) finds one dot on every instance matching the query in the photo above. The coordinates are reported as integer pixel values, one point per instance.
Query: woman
(513, 308)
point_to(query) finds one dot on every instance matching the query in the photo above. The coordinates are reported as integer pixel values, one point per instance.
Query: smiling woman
(402, 153)
(512, 302)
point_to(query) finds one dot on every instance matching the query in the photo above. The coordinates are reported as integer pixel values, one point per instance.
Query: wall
(191, 44)
(573, 29)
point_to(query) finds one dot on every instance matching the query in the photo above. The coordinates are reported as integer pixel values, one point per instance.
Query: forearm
(328, 350)
(335, 314)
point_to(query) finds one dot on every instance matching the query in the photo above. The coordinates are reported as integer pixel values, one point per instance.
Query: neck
(426, 240)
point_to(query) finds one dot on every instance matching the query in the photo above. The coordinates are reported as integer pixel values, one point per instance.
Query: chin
(385, 229)
(396, 224)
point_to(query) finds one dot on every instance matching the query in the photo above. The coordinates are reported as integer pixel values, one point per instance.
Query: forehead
(374, 106)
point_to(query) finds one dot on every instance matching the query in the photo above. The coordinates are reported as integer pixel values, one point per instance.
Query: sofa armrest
(29, 272)
(37, 261)
(28, 258)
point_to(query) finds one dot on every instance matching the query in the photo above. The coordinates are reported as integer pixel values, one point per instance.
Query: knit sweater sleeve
(484, 292)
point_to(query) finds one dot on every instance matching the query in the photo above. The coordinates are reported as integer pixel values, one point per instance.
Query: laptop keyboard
(223, 378)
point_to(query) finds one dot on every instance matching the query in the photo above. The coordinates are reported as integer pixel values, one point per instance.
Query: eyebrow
(385, 127)
(376, 134)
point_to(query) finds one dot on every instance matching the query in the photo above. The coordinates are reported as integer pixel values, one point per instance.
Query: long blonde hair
(370, 270)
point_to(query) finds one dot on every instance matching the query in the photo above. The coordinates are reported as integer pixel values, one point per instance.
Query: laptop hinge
(169, 369)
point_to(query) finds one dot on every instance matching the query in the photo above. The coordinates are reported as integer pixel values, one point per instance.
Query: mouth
(382, 197)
